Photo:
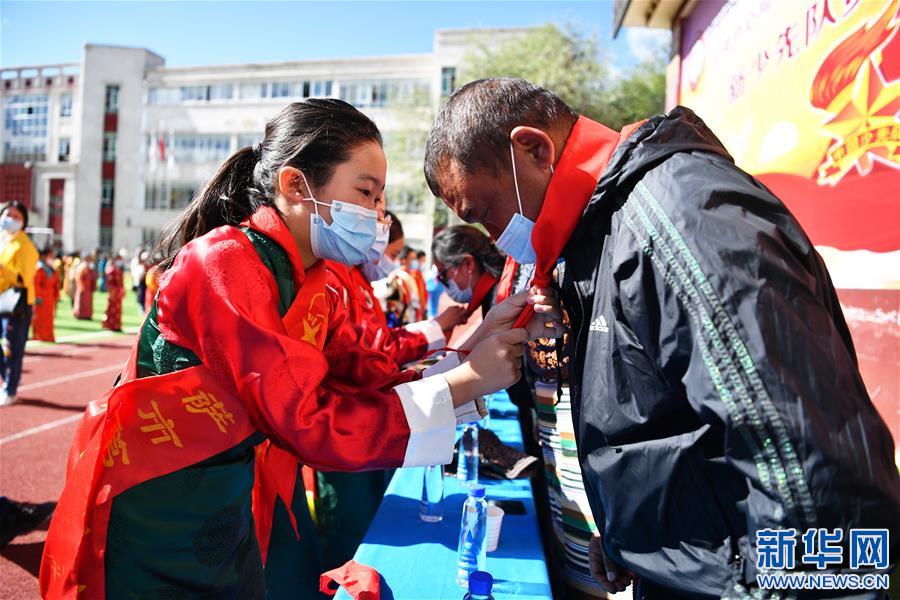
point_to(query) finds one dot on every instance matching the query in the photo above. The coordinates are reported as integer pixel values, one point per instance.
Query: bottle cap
(480, 583)
(476, 490)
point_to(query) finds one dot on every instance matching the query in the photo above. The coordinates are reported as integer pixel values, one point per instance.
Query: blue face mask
(348, 238)
(379, 269)
(458, 294)
(516, 238)
(9, 224)
(382, 235)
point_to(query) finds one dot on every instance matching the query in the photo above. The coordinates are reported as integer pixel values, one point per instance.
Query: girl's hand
(494, 365)
(546, 321)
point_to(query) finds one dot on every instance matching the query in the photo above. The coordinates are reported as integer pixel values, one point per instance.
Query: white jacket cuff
(428, 407)
(432, 332)
(451, 361)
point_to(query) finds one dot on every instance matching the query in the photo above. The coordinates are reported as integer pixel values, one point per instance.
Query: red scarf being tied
(480, 291)
(583, 161)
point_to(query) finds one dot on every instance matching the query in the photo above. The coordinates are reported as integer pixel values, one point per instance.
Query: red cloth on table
(361, 581)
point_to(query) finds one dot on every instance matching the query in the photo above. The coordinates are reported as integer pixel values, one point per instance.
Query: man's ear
(291, 185)
(535, 143)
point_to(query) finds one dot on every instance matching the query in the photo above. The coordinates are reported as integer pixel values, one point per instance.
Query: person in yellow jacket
(18, 263)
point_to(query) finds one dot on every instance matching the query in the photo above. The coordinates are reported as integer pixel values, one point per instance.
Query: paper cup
(494, 520)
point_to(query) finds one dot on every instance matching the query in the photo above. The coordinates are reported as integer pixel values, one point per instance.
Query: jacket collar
(583, 160)
(269, 222)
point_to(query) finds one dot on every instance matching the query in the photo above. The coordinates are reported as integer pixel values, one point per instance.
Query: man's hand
(608, 574)
(451, 317)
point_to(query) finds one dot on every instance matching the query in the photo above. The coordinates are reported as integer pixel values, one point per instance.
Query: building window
(252, 91)
(223, 91)
(164, 95)
(280, 89)
(195, 93)
(64, 145)
(448, 80)
(149, 237)
(384, 92)
(65, 105)
(106, 238)
(247, 139)
(321, 89)
(171, 196)
(112, 99)
(25, 128)
(107, 193)
(192, 148)
(109, 146)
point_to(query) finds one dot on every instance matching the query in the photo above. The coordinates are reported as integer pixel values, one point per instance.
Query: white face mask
(458, 294)
(380, 269)
(516, 238)
(382, 235)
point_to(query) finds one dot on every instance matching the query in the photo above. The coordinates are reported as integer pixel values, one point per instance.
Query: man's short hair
(472, 128)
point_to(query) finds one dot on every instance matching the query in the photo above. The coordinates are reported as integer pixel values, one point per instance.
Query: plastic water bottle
(467, 465)
(431, 510)
(472, 551)
(480, 586)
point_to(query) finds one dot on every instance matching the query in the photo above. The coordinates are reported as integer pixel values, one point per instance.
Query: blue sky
(204, 33)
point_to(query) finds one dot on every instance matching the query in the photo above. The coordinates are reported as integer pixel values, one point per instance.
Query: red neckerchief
(583, 161)
(507, 278)
(479, 293)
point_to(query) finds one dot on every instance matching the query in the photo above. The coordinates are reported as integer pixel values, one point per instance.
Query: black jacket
(715, 384)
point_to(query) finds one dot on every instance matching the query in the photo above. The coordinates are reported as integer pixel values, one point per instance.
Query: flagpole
(170, 162)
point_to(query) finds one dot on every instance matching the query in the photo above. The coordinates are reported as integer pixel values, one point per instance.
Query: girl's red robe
(220, 302)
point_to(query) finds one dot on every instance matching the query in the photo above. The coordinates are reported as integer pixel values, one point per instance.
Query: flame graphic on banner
(863, 106)
(840, 67)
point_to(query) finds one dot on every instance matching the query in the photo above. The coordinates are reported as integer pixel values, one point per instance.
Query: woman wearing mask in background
(18, 262)
(46, 290)
(85, 284)
(115, 285)
(158, 494)
(469, 266)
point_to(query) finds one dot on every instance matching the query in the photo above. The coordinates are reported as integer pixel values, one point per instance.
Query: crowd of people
(45, 277)
(647, 305)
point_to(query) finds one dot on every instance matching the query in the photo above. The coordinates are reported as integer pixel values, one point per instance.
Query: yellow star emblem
(310, 332)
(872, 103)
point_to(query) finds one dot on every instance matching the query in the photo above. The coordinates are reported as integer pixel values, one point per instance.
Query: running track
(58, 381)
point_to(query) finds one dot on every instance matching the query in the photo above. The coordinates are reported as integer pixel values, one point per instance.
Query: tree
(564, 61)
(641, 93)
(572, 65)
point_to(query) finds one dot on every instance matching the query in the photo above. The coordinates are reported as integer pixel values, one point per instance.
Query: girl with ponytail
(158, 496)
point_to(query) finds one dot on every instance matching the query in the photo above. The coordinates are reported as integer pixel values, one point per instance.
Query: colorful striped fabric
(571, 514)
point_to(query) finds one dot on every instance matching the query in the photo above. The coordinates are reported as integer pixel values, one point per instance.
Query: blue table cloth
(417, 560)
